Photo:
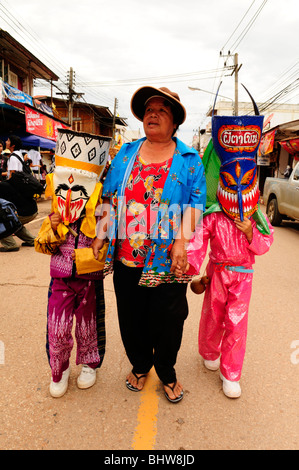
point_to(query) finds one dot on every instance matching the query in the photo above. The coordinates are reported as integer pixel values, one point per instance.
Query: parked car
(281, 197)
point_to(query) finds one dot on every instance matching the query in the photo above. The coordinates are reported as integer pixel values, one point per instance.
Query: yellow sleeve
(47, 242)
(86, 262)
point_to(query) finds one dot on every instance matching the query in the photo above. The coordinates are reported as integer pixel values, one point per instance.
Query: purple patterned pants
(69, 298)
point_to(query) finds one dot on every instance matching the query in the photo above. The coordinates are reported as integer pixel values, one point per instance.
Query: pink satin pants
(224, 318)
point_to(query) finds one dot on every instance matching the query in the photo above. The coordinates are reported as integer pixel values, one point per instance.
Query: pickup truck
(281, 197)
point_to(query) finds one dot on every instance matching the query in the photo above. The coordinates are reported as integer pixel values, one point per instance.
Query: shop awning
(36, 141)
(291, 146)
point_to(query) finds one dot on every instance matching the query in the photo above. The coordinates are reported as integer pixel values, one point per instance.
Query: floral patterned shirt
(185, 186)
(142, 199)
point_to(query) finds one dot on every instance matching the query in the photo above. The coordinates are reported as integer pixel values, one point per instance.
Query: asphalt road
(109, 417)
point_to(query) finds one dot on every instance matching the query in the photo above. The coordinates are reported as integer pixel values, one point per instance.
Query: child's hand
(245, 227)
(96, 246)
(55, 221)
(178, 272)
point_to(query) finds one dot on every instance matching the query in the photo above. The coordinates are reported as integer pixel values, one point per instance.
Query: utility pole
(113, 125)
(199, 140)
(70, 97)
(236, 71)
(71, 94)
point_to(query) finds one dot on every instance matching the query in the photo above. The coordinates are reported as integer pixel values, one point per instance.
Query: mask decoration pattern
(80, 160)
(238, 192)
(236, 140)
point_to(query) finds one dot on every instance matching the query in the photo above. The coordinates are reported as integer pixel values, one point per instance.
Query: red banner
(42, 125)
(291, 146)
(267, 143)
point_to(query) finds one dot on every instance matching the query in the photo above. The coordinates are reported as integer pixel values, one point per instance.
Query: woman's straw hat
(143, 94)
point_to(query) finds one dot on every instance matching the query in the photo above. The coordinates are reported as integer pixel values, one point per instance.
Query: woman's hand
(55, 220)
(178, 255)
(102, 229)
(245, 227)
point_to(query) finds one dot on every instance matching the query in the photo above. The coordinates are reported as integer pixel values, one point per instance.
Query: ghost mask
(73, 189)
(238, 192)
(236, 140)
(80, 160)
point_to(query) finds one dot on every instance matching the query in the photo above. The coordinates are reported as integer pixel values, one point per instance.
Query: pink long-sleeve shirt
(228, 244)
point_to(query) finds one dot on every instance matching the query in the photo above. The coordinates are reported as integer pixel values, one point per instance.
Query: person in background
(36, 162)
(27, 209)
(14, 145)
(288, 171)
(162, 185)
(3, 161)
(43, 175)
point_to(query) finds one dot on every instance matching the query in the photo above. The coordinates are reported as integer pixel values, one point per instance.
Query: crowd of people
(15, 159)
(145, 222)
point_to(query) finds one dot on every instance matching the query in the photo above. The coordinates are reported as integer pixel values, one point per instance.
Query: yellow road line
(146, 430)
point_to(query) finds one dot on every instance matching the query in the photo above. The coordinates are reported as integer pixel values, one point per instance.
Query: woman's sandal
(173, 400)
(131, 387)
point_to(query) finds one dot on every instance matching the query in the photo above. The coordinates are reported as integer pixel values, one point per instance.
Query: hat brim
(143, 94)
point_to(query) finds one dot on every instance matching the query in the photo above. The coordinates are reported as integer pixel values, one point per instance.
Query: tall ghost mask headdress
(80, 160)
(236, 140)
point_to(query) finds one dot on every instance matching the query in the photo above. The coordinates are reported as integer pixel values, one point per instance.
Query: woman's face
(158, 120)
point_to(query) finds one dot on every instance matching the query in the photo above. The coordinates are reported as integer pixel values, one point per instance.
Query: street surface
(110, 417)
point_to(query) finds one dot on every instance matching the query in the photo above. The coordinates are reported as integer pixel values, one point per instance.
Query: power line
(248, 27)
(237, 26)
(284, 78)
(245, 30)
(32, 38)
(133, 81)
(281, 94)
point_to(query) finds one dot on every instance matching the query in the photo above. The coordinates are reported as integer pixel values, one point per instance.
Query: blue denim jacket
(185, 186)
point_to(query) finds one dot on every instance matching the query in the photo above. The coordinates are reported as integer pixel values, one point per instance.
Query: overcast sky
(172, 43)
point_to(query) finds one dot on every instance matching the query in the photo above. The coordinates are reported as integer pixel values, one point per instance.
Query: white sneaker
(230, 389)
(58, 389)
(87, 378)
(212, 365)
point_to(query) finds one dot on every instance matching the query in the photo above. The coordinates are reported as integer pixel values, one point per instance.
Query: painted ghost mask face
(73, 189)
(238, 192)
(80, 160)
(236, 140)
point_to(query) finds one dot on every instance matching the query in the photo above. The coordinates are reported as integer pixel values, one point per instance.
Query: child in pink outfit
(223, 324)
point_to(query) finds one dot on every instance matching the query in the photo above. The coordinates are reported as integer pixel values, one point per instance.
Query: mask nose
(68, 201)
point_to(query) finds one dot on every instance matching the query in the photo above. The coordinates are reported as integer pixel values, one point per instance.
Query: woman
(154, 193)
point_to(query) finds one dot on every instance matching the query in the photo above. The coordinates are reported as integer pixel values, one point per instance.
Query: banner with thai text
(42, 125)
(14, 94)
